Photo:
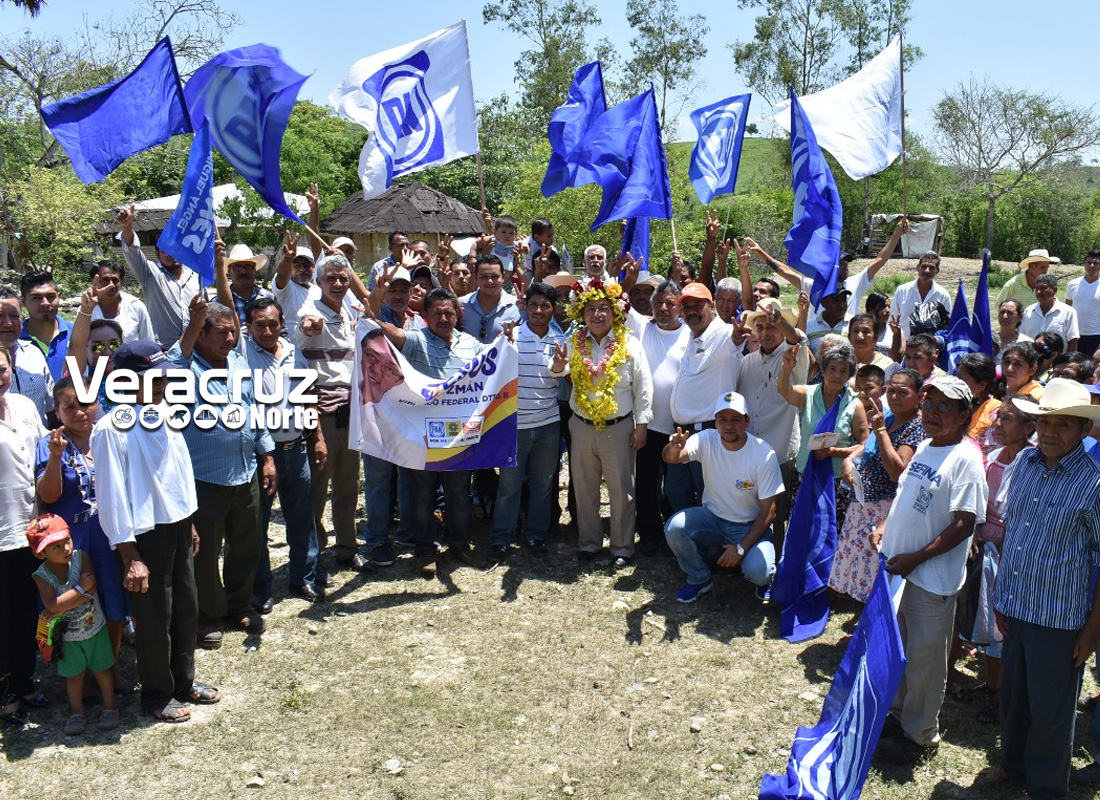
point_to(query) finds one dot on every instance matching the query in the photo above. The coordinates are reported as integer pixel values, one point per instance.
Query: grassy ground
(534, 679)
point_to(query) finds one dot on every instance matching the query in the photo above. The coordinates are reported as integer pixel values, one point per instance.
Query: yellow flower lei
(596, 400)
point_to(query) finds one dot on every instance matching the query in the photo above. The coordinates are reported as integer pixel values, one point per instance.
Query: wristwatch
(740, 550)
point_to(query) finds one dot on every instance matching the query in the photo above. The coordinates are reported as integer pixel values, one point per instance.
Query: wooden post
(480, 179)
(675, 248)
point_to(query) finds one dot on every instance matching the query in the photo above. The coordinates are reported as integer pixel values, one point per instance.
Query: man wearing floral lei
(611, 402)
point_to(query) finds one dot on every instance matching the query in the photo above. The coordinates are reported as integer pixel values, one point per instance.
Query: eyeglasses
(100, 347)
(941, 407)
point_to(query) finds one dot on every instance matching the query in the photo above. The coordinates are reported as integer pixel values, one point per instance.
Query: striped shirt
(538, 389)
(1052, 540)
(433, 357)
(220, 455)
(331, 352)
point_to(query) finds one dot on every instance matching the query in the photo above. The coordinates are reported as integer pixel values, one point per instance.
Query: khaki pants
(603, 453)
(342, 470)
(926, 621)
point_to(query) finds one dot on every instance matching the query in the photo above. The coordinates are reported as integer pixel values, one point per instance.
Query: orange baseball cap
(45, 530)
(695, 291)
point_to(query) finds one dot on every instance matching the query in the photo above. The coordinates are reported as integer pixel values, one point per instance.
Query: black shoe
(357, 562)
(537, 548)
(649, 547)
(308, 592)
(322, 579)
(904, 752)
(891, 728)
(266, 607)
(622, 561)
(497, 553)
(588, 559)
(383, 555)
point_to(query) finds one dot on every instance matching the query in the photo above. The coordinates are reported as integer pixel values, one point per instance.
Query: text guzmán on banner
(464, 421)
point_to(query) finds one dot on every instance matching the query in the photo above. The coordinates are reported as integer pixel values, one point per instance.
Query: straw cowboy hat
(1061, 396)
(772, 304)
(1039, 255)
(561, 280)
(240, 253)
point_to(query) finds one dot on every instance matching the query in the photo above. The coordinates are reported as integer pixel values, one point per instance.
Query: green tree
(667, 48)
(557, 31)
(1001, 139)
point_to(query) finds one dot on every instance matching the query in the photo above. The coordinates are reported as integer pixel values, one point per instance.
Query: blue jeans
(536, 456)
(296, 498)
(694, 533)
(684, 485)
(377, 482)
(456, 490)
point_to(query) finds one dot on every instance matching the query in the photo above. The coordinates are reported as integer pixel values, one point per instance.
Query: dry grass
(533, 679)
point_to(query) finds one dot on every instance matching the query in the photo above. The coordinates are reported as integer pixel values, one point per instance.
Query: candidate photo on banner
(467, 420)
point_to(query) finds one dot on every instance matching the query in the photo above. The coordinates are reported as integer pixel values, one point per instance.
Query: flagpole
(480, 179)
(904, 161)
(672, 222)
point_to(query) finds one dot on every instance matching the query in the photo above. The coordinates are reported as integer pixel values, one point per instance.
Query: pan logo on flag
(236, 121)
(446, 433)
(409, 130)
(715, 153)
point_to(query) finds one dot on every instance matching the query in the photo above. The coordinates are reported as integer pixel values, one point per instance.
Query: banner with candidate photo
(464, 421)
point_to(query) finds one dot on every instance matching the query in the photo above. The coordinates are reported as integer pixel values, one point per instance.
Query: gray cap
(951, 387)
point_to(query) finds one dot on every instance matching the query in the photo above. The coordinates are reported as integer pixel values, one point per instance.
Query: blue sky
(1043, 48)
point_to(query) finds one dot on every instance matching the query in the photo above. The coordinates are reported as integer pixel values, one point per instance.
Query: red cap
(696, 291)
(45, 530)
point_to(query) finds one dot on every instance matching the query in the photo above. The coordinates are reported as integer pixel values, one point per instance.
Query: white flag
(417, 100)
(859, 119)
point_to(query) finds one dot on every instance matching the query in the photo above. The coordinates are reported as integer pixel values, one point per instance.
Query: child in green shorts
(67, 586)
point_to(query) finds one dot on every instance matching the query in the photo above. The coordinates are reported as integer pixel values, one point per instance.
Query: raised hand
(126, 216)
(679, 438)
(485, 244)
(443, 254)
(541, 265)
(313, 197)
(487, 221)
(632, 265)
(713, 226)
(197, 308)
(723, 251)
(311, 325)
(561, 356)
(895, 324)
(744, 254)
(875, 418)
(903, 225)
(509, 330)
(89, 299)
(753, 247)
(790, 356)
(57, 442)
(803, 303)
(290, 246)
(219, 251)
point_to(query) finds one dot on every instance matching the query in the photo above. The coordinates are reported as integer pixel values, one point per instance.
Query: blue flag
(189, 235)
(814, 239)
(957, 339)
(625, 151)
(981, 327)
(636, 242)
(717, 152)
(247, 95)
(101, 128)
(568, 125)
(831, 759)
(802, 577)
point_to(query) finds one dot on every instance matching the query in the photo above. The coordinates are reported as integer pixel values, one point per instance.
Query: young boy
(66, 584)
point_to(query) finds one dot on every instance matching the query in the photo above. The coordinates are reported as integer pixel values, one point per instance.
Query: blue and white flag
(717, 153)
(981, 326)
(859, 119)
(247, 95)
(101, 128)
(417, 100)
(568, 125)
(190, 233)
(818, 220)
(802, 577)
(830, 760)
(636, 242)
(957, 340)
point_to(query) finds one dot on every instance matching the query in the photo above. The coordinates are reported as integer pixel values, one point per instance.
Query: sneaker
(764, 594)
(382, 555)
(690, 592)
(497, 553)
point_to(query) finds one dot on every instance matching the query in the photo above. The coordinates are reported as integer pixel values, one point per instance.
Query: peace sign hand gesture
(290, 246)
(678, 439)
(561, 356)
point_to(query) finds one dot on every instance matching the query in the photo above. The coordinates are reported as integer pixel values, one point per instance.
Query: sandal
(982, 690)
(75, 726)
(36, 700)
(201, 693)
(11, 713)
(108, 720)
(172, 712)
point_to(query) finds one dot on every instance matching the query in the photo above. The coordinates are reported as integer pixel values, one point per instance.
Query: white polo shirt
(1086, 302)
(907, 297)
(1061, 319)
(708, 369)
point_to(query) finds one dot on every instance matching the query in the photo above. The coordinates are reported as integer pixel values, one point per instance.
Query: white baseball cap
(732, 401)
